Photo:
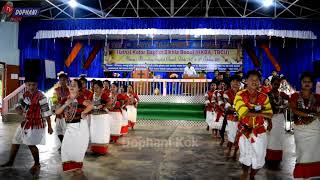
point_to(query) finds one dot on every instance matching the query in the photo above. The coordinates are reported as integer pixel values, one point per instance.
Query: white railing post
(164, 88)
(175, 87)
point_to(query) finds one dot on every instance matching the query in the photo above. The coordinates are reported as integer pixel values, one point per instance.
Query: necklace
(71, 111)
(301, 102)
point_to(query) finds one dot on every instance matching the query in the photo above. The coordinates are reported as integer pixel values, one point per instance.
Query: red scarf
(33, 117)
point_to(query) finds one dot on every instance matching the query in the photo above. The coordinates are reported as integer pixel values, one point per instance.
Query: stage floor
(152, 152)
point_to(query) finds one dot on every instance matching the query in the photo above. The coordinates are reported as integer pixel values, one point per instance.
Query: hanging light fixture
(73, 3)
(267, 3)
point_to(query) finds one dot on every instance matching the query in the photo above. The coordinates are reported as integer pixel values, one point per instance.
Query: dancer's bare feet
(7, 164)
(234, 157)
(35, 169)
(228, 153)
(120, 143)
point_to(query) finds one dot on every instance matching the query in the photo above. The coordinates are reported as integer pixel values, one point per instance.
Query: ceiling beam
(50, 8)
(233, 7)
(180, 7)
(112, 8)
(286, 8)
(207, 7)
(60, 12)
(101, 8)
(163, 7)
(224, 14)
(254, 11)
(304, 7)
(245, 8)
(277, 2)
(125, 9)
(138, 6)
(133, 8)
(193, 9)
(150, 8)
(47, 17)
(172, 7)
(249, 10)
(59, 8)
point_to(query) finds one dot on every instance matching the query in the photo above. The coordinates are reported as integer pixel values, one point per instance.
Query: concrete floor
(165, 152)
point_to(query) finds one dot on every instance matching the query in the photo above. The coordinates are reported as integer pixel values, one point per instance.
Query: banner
(173, 60)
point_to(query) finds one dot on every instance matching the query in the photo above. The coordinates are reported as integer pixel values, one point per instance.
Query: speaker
(32, 66)
(316, 68)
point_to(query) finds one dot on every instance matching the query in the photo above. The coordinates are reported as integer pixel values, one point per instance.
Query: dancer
(106, 87)
(60, 94)
(279, 102)
(124, 99)
(132, 106)
(114, 107)
(231, 116)
(219, 109)
(253, 108)
(100, 120)
(266, 87)
(76, 138)
(33, 105)
(209, 106)
(87, 94)
(305, 106)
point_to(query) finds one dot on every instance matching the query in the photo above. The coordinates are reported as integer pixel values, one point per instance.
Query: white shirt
(190, 71)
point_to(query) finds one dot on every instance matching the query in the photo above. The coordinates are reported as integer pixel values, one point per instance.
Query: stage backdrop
(173, 60)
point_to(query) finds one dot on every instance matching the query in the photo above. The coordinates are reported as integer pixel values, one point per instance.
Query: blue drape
(293, 60)
(28, 28)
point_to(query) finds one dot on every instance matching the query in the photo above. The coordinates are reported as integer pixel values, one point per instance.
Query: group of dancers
(254, 118)
(84, 119)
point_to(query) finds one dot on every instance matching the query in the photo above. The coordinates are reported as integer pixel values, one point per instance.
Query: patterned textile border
(172, 99)
(172, 123)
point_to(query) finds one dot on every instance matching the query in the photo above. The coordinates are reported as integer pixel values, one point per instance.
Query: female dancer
(76, 138)
(305, 106)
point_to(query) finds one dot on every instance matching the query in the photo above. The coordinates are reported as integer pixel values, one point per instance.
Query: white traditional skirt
(276, 138)
(100, 127)
(29, 136)
(232, 128)
(116, 123)
(253, 154)
(124, 123)
(307, 139)
(61, 126)
(211, 116)
(217, 123)
(74, 145)
(132, 113)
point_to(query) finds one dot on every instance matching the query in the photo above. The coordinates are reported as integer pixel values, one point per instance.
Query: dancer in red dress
(76, 139)
(132, 106)
(305, 106)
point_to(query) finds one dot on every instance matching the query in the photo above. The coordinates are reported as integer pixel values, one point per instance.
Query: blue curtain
(28, 28)
(43, 50)
(76, 67)
(293, 58)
